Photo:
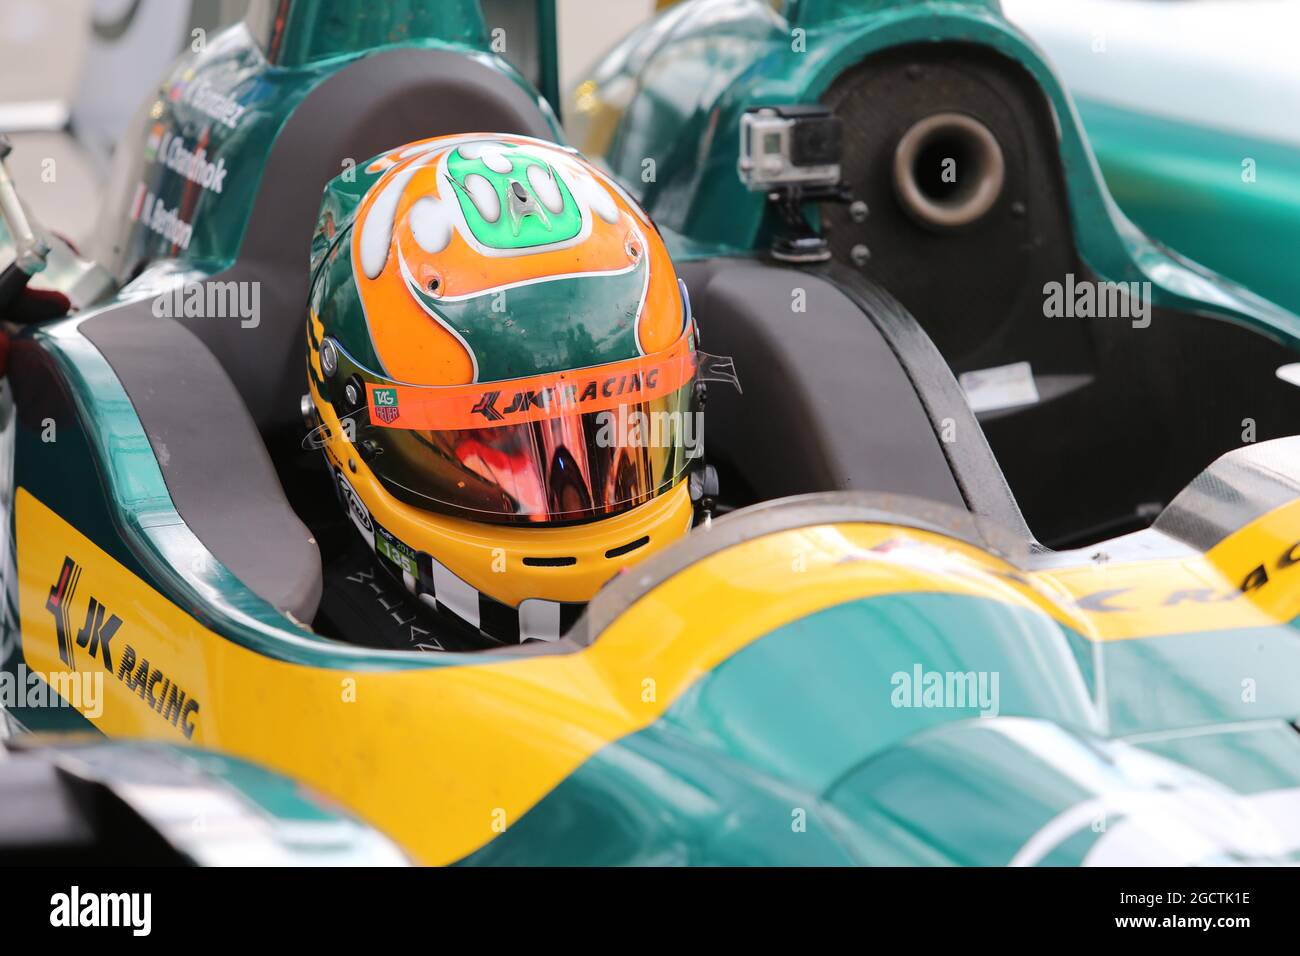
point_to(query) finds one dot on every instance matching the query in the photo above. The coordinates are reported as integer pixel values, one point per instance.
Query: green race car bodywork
(1228, 201)
(841, 677)
(700, 65)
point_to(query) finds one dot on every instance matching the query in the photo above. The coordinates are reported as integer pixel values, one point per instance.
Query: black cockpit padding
(217, 470)
(975, 468)
(842, 391)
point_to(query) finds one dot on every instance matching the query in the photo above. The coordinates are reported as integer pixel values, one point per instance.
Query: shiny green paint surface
(805, 13)
(1032, 794)
(1180, 681)
(548, 53)
(230, 101)
(694, 70)
(1226, 200)
(804, 726)
(321, 29)
(1251, 757)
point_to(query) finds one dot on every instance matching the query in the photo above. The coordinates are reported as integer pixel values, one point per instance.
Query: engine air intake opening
(948, 171)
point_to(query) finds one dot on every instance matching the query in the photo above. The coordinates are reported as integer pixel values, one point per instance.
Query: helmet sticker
(454, 407)
(389, 546)
(356, 508)
(383, 405)
(503, 207)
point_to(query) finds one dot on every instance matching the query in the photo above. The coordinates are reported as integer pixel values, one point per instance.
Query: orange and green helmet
(504, 366)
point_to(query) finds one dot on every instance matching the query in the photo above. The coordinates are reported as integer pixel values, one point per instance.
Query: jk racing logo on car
(96, 636)
(385, 404)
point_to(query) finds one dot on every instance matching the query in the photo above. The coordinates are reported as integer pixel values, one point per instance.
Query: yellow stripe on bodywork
(435, 757)
(1249, 579)
(441, 757)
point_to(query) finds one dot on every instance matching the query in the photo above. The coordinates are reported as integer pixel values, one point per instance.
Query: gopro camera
(783, 146)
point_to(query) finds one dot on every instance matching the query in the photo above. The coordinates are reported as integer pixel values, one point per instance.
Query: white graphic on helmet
(356, 508)
(484, 197)
(494, 159)
(377, 230)
(545, 188)
(592, 195)
(431, 224)
(433, 216)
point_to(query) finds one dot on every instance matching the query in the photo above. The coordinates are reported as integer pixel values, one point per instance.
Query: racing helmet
(502, 370)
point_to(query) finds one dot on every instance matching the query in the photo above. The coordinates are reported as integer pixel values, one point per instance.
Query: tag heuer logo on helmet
(385, 404)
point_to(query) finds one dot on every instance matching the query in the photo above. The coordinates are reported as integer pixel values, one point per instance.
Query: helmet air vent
(628, 548)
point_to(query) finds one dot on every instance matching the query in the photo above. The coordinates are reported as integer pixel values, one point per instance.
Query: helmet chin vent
(550, 562)
(623, 549)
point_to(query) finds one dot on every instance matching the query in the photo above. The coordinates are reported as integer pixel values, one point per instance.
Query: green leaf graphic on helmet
(511, 199)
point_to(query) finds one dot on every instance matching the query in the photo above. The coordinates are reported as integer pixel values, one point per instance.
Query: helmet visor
(558, 447)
